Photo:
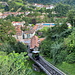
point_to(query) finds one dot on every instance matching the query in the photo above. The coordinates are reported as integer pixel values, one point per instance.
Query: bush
(14, 64)
(71, 58)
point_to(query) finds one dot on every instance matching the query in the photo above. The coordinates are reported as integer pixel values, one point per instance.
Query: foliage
(70, 42)
(14, 64)
(69, 69)
(18, 47)
(6, 30)
(56, 31)
(71, 17)
(45, 48)
(42, 33)
(56, 52)
(43, 1)
(6, 48)
(54, 45)
(70, 58)
(27, 19)
(70, 2)
(61, 9)
(6, 8)
(13, 18)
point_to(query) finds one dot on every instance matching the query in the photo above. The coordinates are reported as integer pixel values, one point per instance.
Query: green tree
(5, 47)
(70, 42)
(61, 9)
(14, 64)
(6, 30)
(45, 48)
(70, 58)
(71, 17)
(6, 8)
(20, 47)
(55, 50)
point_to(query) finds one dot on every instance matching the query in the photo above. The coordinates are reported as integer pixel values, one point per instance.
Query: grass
(18, 3)
(69, 69)
(1, 10)
(44, 28)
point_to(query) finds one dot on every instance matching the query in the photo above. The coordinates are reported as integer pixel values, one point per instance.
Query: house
(27, 12)
(69, 25)
(40, 40)
(19, 13)
(28, 34)
(35, 27)
(19, 35)
(38, 5)
(0, 13)
(50, 7)
(13, 13)
(18, 28)
(31, 32)
(34, 42)
(3, 16)
(0, 43)
(25, 41)
(18, 23)
(19, 32)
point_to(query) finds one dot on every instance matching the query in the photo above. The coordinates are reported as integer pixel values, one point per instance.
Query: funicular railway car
(35, 55)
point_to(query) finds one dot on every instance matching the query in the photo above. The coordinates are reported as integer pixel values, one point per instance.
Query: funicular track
(48, 68)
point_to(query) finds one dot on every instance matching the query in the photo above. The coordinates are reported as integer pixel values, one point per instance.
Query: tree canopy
(6, 30)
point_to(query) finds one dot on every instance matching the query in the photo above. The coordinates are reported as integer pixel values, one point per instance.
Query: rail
(48, 68)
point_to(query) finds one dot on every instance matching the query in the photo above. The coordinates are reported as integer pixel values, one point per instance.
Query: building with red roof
(34, 42)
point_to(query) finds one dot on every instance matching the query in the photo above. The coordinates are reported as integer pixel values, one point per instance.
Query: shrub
(71, 58)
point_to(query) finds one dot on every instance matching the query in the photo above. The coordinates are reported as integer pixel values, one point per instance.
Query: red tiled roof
(18, 28)
(19, 33)
(16, 22)
(35, 27)
(29, 32)
(0, 43)
(34, 42)
(41, 39)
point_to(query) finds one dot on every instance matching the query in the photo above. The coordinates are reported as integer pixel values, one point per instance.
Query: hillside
(9, 5)
(70, 2)
(21, 2)
(44, 1)
(34, 1)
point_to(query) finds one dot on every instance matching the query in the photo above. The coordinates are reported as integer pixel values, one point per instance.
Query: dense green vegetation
(61, 9)
(59, 45)
(71, 2)
(6, 31)
(14, 63)
(41, 33)
(69, 69)
(44, 1)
